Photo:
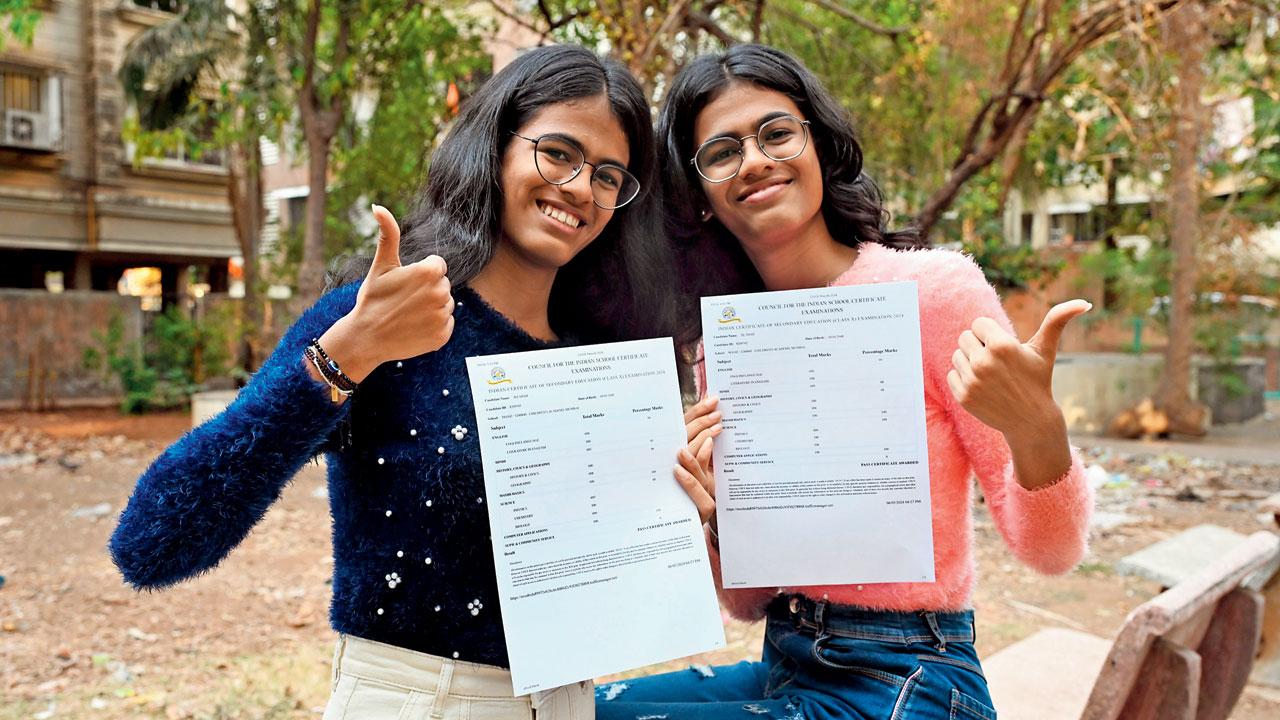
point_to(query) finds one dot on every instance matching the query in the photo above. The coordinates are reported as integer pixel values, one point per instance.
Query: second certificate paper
(600, 558)
(822, 471)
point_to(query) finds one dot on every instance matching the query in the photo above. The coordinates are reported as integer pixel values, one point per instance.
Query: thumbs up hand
(401, 311)
(1006, 384)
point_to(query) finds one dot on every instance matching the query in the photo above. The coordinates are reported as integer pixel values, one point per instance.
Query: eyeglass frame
(742, 145)
(578, 171)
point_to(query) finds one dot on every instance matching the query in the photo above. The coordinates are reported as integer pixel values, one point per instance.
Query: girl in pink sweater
(766, 191)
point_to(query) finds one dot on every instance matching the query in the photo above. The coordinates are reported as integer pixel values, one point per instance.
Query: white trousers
(376, 681)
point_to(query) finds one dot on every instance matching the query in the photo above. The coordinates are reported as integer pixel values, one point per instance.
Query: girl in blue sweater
(538, 226)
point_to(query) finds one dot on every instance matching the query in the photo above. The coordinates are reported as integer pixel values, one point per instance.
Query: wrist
(342, 343)
(1041, 451)
(1046, 425)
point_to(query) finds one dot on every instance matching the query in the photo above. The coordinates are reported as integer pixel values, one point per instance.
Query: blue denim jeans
(824, 662)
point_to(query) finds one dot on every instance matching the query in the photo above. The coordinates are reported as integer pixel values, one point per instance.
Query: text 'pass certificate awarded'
(822, 471)
(601, 562)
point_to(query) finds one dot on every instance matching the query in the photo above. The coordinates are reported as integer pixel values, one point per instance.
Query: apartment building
(75, 211)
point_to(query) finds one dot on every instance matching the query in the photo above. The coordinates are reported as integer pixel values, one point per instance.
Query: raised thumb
(387, 255)
(1045, 341)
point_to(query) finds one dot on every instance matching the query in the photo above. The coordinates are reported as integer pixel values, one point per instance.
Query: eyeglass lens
(560, 161)
(779, 139)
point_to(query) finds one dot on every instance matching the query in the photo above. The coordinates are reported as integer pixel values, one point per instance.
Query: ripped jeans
(824, 662)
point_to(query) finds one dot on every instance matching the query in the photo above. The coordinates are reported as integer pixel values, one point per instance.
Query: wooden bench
(1185, 653)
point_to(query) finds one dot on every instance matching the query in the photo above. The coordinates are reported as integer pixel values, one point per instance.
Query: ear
(707, 214)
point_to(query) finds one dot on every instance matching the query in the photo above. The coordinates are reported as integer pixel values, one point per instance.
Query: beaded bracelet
(339, 383)
(340, 378)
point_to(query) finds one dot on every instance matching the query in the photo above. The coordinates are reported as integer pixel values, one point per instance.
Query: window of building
(169, 6)
(297, 212)
(1071, 228)
(204, 152)
(21, 90)
(30, 109)
(204, 156)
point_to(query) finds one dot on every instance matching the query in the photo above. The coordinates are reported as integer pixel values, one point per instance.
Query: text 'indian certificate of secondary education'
(601, 562)
(822, 471)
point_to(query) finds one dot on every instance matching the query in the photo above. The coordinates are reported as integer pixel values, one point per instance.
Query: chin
(773, 231)
(550, 252)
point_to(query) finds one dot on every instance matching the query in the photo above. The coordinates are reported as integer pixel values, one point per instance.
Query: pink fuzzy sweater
(1045, 528)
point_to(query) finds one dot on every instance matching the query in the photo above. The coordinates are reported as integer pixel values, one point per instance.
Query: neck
(518, 289)
(808, 258)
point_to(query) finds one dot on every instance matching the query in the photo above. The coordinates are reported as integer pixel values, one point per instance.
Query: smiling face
(545, 224)
(767, 201)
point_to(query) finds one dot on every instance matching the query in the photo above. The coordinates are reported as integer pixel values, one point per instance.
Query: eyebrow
(578, 143)
(760, 121)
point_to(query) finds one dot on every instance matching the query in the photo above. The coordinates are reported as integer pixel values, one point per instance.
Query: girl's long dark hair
(714, 262)
(621, 285)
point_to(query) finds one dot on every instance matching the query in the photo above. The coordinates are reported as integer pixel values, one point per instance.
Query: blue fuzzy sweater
(407, 496)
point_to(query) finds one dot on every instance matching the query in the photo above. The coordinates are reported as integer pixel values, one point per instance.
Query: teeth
(560, 215)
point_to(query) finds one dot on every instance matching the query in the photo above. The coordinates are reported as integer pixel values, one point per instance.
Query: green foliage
(1135, 279)
(1011, 266)
(162, 370)
(18, 20)
(404, 55)
(385, 159)
(115, 357)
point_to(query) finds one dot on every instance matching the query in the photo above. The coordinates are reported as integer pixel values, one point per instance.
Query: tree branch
(309, 60)
(675, 16)
(702, 21)
(890, 32)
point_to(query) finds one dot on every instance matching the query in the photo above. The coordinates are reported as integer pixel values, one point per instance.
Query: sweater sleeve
(204, 493)
(1046, 528)
(747, 603)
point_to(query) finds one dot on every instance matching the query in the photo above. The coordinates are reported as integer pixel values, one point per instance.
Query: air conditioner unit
(26, 129)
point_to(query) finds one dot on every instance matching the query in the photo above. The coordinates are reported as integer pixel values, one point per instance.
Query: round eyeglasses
(559, 160)
(782, 138)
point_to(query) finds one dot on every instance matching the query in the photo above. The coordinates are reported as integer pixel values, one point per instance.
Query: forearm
(1040, 450)
(204, 493)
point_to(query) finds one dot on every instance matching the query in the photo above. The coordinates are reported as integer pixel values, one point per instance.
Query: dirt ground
(251, 638)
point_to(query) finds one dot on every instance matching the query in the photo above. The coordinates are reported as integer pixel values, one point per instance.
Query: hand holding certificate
(600, 557)
(822, 471)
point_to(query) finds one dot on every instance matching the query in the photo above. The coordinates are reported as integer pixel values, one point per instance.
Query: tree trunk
(244, 191)
(311, 271)
(1111, 220)
(321, 118)
(1012, 160)
(1187, 38)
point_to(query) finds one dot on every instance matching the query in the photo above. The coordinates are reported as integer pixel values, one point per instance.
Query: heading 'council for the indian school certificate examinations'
(601, 562)
(822, 471)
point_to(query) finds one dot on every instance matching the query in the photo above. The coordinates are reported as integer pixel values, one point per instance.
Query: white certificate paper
(822, 471)
(601, 562)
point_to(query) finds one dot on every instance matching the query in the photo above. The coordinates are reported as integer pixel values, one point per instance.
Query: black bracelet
(335, 376)
(335, 391)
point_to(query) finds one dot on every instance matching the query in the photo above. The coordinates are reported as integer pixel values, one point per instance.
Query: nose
(579, 188)
(754, 161)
